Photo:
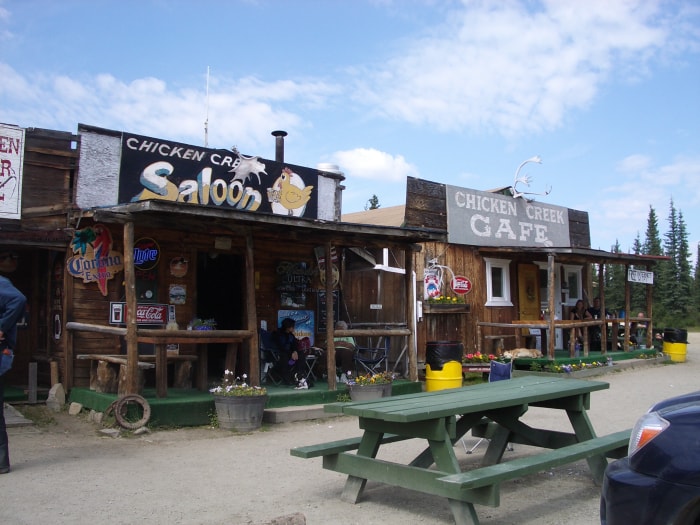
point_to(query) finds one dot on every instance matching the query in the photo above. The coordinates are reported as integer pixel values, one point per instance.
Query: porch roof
(205, 219)
(569, 254)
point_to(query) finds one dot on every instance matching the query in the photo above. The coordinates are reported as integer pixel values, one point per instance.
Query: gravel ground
(64, 471)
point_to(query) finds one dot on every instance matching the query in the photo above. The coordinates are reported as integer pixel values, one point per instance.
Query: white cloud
(372, 164)
(241, 112)
(495, 66)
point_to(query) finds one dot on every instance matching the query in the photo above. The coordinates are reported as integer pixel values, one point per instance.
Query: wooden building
(520, 266)
(37, 172)
(121, 236)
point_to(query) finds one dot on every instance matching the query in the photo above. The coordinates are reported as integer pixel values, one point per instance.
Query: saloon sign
(160, 169)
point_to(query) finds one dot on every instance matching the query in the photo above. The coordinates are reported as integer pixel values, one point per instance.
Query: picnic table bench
(442, 417)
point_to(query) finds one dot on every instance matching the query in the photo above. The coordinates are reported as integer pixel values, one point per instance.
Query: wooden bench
(497, 342)
(108, 373)
(182, 377)
(611, 446)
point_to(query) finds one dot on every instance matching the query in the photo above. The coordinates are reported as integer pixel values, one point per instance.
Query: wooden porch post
(411, 314)
(550, 304)
(628, 318)
(649, 312)
(132, 349)
(251, 311)
(330, 327)
(601, 294)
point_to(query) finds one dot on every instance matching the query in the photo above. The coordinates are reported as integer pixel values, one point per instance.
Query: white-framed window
(497, 282)
(572, 283)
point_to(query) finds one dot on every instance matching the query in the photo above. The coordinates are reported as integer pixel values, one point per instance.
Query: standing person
(12, 303)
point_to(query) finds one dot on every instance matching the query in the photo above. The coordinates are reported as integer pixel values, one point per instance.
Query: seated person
(292, 363)
(595, 331)
(638, 330)
(579, 313)
(594, 310)
(344, 350)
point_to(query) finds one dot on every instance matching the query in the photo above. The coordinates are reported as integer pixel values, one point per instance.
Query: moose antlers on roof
(525, 179)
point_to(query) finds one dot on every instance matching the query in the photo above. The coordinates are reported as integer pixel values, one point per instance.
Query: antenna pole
(206, 122)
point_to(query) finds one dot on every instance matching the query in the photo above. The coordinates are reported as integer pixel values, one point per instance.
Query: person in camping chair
(292, 363)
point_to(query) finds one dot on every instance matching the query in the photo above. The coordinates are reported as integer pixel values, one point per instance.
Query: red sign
(461, 285)
(145, 313)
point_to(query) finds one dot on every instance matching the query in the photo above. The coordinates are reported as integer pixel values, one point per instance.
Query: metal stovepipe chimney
(279, 144)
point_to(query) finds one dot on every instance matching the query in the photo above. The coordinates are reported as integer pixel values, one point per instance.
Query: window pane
(496, 281)
(573, 285)
(544, 283)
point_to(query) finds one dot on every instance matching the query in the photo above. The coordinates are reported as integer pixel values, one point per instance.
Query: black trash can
(675, 335)
(443, 365)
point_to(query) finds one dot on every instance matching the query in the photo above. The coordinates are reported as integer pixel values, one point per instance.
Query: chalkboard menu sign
(322, 318)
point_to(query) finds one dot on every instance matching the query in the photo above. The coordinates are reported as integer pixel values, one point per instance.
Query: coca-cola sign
(145, 313)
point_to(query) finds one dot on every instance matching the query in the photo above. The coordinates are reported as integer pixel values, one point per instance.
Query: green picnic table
(442, 417)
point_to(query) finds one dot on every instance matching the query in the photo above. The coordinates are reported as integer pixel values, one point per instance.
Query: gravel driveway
(65, 472)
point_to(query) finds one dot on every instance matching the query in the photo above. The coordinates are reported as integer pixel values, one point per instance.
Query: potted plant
(203, 324)
(370, 386)
(239, 406)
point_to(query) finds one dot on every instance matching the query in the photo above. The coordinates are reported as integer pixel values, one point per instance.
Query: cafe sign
(480, 218)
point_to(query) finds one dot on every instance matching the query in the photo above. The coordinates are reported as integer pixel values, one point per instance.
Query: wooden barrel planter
(240, 413)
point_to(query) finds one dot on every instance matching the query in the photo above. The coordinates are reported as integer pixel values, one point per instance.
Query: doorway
(220, 296)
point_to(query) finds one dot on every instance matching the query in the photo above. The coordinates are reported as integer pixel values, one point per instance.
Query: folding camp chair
(498, 372)
(269, 357)
(371, 360)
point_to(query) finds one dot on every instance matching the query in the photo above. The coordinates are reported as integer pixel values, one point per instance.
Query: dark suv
(659, 480)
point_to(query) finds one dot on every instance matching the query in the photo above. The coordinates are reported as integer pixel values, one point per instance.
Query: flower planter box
(472, 368)
(436, 308)
(367, 392)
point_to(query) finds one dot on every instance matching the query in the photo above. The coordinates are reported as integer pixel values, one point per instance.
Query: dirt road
(64, 472)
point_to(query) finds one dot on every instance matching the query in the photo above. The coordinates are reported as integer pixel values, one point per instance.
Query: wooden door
(528, 292)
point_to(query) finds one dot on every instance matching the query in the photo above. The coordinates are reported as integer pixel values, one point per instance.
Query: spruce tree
(638, 302)
(652, 246)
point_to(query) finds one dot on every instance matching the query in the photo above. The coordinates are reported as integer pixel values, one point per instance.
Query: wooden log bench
(182, 373)
(490, 477)
(108, 373)
(498, 342)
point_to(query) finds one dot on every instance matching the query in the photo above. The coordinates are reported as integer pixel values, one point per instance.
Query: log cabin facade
(522, 260)
(116, 228)
(147, 233)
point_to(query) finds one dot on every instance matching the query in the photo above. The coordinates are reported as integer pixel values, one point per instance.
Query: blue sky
(606, 92)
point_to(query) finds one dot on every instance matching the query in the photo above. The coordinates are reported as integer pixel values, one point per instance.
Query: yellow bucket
(449, 377)
(676, 351)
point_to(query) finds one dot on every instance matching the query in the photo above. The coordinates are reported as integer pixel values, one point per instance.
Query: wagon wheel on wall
(131, 411)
